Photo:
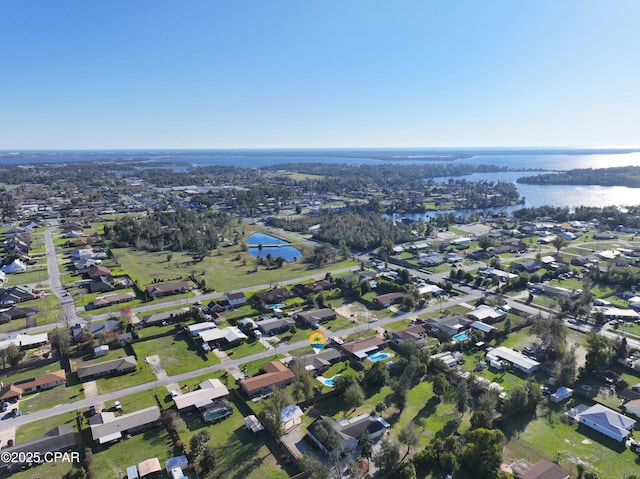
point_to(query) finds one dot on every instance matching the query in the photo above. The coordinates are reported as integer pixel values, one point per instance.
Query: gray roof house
(107, 427)
(607, 421)
(107, 368)
(319, 316)
(60, 438)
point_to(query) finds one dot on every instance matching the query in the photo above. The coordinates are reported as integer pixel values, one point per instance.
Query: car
(93, 411)
(373, 320)
(117, 405)
(173, 393)
(315, 326)
(5, 406)
(198, 303)
(10, 443)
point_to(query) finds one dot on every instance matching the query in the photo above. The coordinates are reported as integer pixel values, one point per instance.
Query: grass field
(177, 354)
(35, 274)
(221, 270)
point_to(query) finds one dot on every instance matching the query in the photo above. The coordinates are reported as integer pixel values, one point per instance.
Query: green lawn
(38, 428)
(221, 269)
(114, 460)
(29, 373)
(115, 383)
(177, 354)
(549, 435)
(239, 453)
(35, 274)
(51, 398)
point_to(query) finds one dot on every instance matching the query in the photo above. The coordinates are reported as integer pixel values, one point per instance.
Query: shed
(291, 416)
(149, 466)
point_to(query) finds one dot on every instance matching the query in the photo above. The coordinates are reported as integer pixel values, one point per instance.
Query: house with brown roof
(386, 300)
(361, 348)
(95, 271)
(304, 289)
(33, 385)
(275, 374)
(167, 289)
(235, 299)
(544, 470)
(414, 333)
(104, 301)
(274, 296)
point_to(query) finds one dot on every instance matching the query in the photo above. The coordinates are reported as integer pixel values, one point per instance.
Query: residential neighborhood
(519, 334)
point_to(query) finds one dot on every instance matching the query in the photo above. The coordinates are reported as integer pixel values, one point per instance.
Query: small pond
(271, 246)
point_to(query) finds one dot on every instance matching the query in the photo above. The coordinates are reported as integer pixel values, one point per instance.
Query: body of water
(535, 195)
(273, 246)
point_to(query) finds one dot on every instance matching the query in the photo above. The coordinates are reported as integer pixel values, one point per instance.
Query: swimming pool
(375, 357)
(460, 336)
(327, 381)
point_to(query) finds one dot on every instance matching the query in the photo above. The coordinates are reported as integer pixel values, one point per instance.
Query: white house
(561, 394)
(16, 266)
(607, 421)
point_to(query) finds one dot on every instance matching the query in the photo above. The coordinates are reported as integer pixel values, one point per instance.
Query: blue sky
(294, 74)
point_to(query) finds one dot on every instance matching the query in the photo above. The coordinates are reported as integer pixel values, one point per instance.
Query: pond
(271, 246)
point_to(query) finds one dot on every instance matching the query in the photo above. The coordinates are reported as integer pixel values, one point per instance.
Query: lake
(273, 246)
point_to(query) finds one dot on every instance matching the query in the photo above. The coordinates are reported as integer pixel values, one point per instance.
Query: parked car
(117, 405)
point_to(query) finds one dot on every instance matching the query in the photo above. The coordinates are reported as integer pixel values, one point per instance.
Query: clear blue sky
(329, 73)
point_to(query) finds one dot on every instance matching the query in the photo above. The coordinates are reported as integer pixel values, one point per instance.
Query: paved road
(160, 383)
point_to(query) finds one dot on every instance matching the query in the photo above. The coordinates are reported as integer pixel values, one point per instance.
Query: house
(29, 386)
(111, 299)
(229, 335)
(317, 287)
(196, 329)
(554, 291)
(107, 427)
(58, 439)
(430, 259)
(497, 273)
(432, 289)
(515, 359)
(487, 329)
(166, 289)
(350, 430)
(150, 467)
(25, 341)
(529, 266)
(273, 326)
(386, 300)
(107, 368)
(318, 363)
(361, 348)
(236, 299)
(164, 317)
(18, 313)
(274, 296)
(632, 407)
(15, 267)
(208, 391)
(544, 470)
(95, 271)
(561, 394)
(275, 374)
(607, 421)
(291, 416)
(451, 325)
(101, 284)
(16, 294)
(414, 333)
(487, 314)
(110, 327)
(318, 316)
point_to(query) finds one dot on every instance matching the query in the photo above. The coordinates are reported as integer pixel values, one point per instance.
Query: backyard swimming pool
(460, 336)
(327, 381)
(375, 357)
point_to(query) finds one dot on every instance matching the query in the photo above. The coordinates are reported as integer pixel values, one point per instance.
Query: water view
(261, 245)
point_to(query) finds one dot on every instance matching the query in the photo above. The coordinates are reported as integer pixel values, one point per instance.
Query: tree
(13, 354)
(315, 468)
(387, 457)
(558, 243)
(552, 333)
(480, 420)
(484, 242)
(198, 442)
(271, 416)
(483, 454)
(462, 398)
(566, 368)
(366, 445)
(408, 436)
(207, 460)
(440, 384)
(60, 340)
(377, 375)
(353, 396)
(303, 382)
(600, 351)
